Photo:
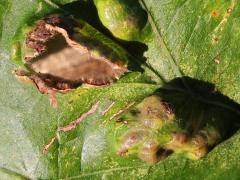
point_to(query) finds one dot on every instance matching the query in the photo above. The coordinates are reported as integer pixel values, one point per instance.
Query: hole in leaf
(62, 53)
(64, 62)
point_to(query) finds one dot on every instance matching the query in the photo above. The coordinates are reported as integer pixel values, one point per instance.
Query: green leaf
(189, 39)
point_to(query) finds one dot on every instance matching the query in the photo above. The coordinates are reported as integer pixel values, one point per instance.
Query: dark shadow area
(87, 11)
(201, 107)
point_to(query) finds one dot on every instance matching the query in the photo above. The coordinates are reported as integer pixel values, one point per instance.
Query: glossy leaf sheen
(181, 45)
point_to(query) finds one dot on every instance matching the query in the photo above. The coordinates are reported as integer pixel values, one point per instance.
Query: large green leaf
(189, 38)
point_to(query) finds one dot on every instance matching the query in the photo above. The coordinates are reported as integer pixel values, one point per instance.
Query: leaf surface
(189, 39)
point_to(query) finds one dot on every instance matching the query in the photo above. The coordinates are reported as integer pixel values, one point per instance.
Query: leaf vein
(105, 171)
(162, 42)
(176, 13)
(191, 35)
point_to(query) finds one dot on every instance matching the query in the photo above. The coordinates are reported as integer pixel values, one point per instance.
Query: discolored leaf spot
(164, 134)
(131, 140)
(229, 10)
(145, 120)
(76, 122)
(151, 152)
(53, 51)
(47, 146)
(216, 60)
(62, 53)
(118, 113)
(215, 13)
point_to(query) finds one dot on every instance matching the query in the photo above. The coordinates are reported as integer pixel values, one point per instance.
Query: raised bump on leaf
(163, 134)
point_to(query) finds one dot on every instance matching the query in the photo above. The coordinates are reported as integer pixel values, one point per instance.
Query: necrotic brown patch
(68, 64)
(61, 62)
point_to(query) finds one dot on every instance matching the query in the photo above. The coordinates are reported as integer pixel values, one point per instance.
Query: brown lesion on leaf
(122, 110)
(119, 112)
(50, 143)
(215, 39)
(129, 140)
(108, 108)
(215, 13)
(229, 10)
(46, 84)
(195, 146)
(58, 63)
(53, 51)
(152, 152)
(155, 107)
(45, 30)
(121, 120)
(225, 17)
(72, 125)
(216, 60)
(168, 107)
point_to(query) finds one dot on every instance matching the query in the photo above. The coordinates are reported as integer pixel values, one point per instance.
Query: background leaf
(191, 36)
(182, 44)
